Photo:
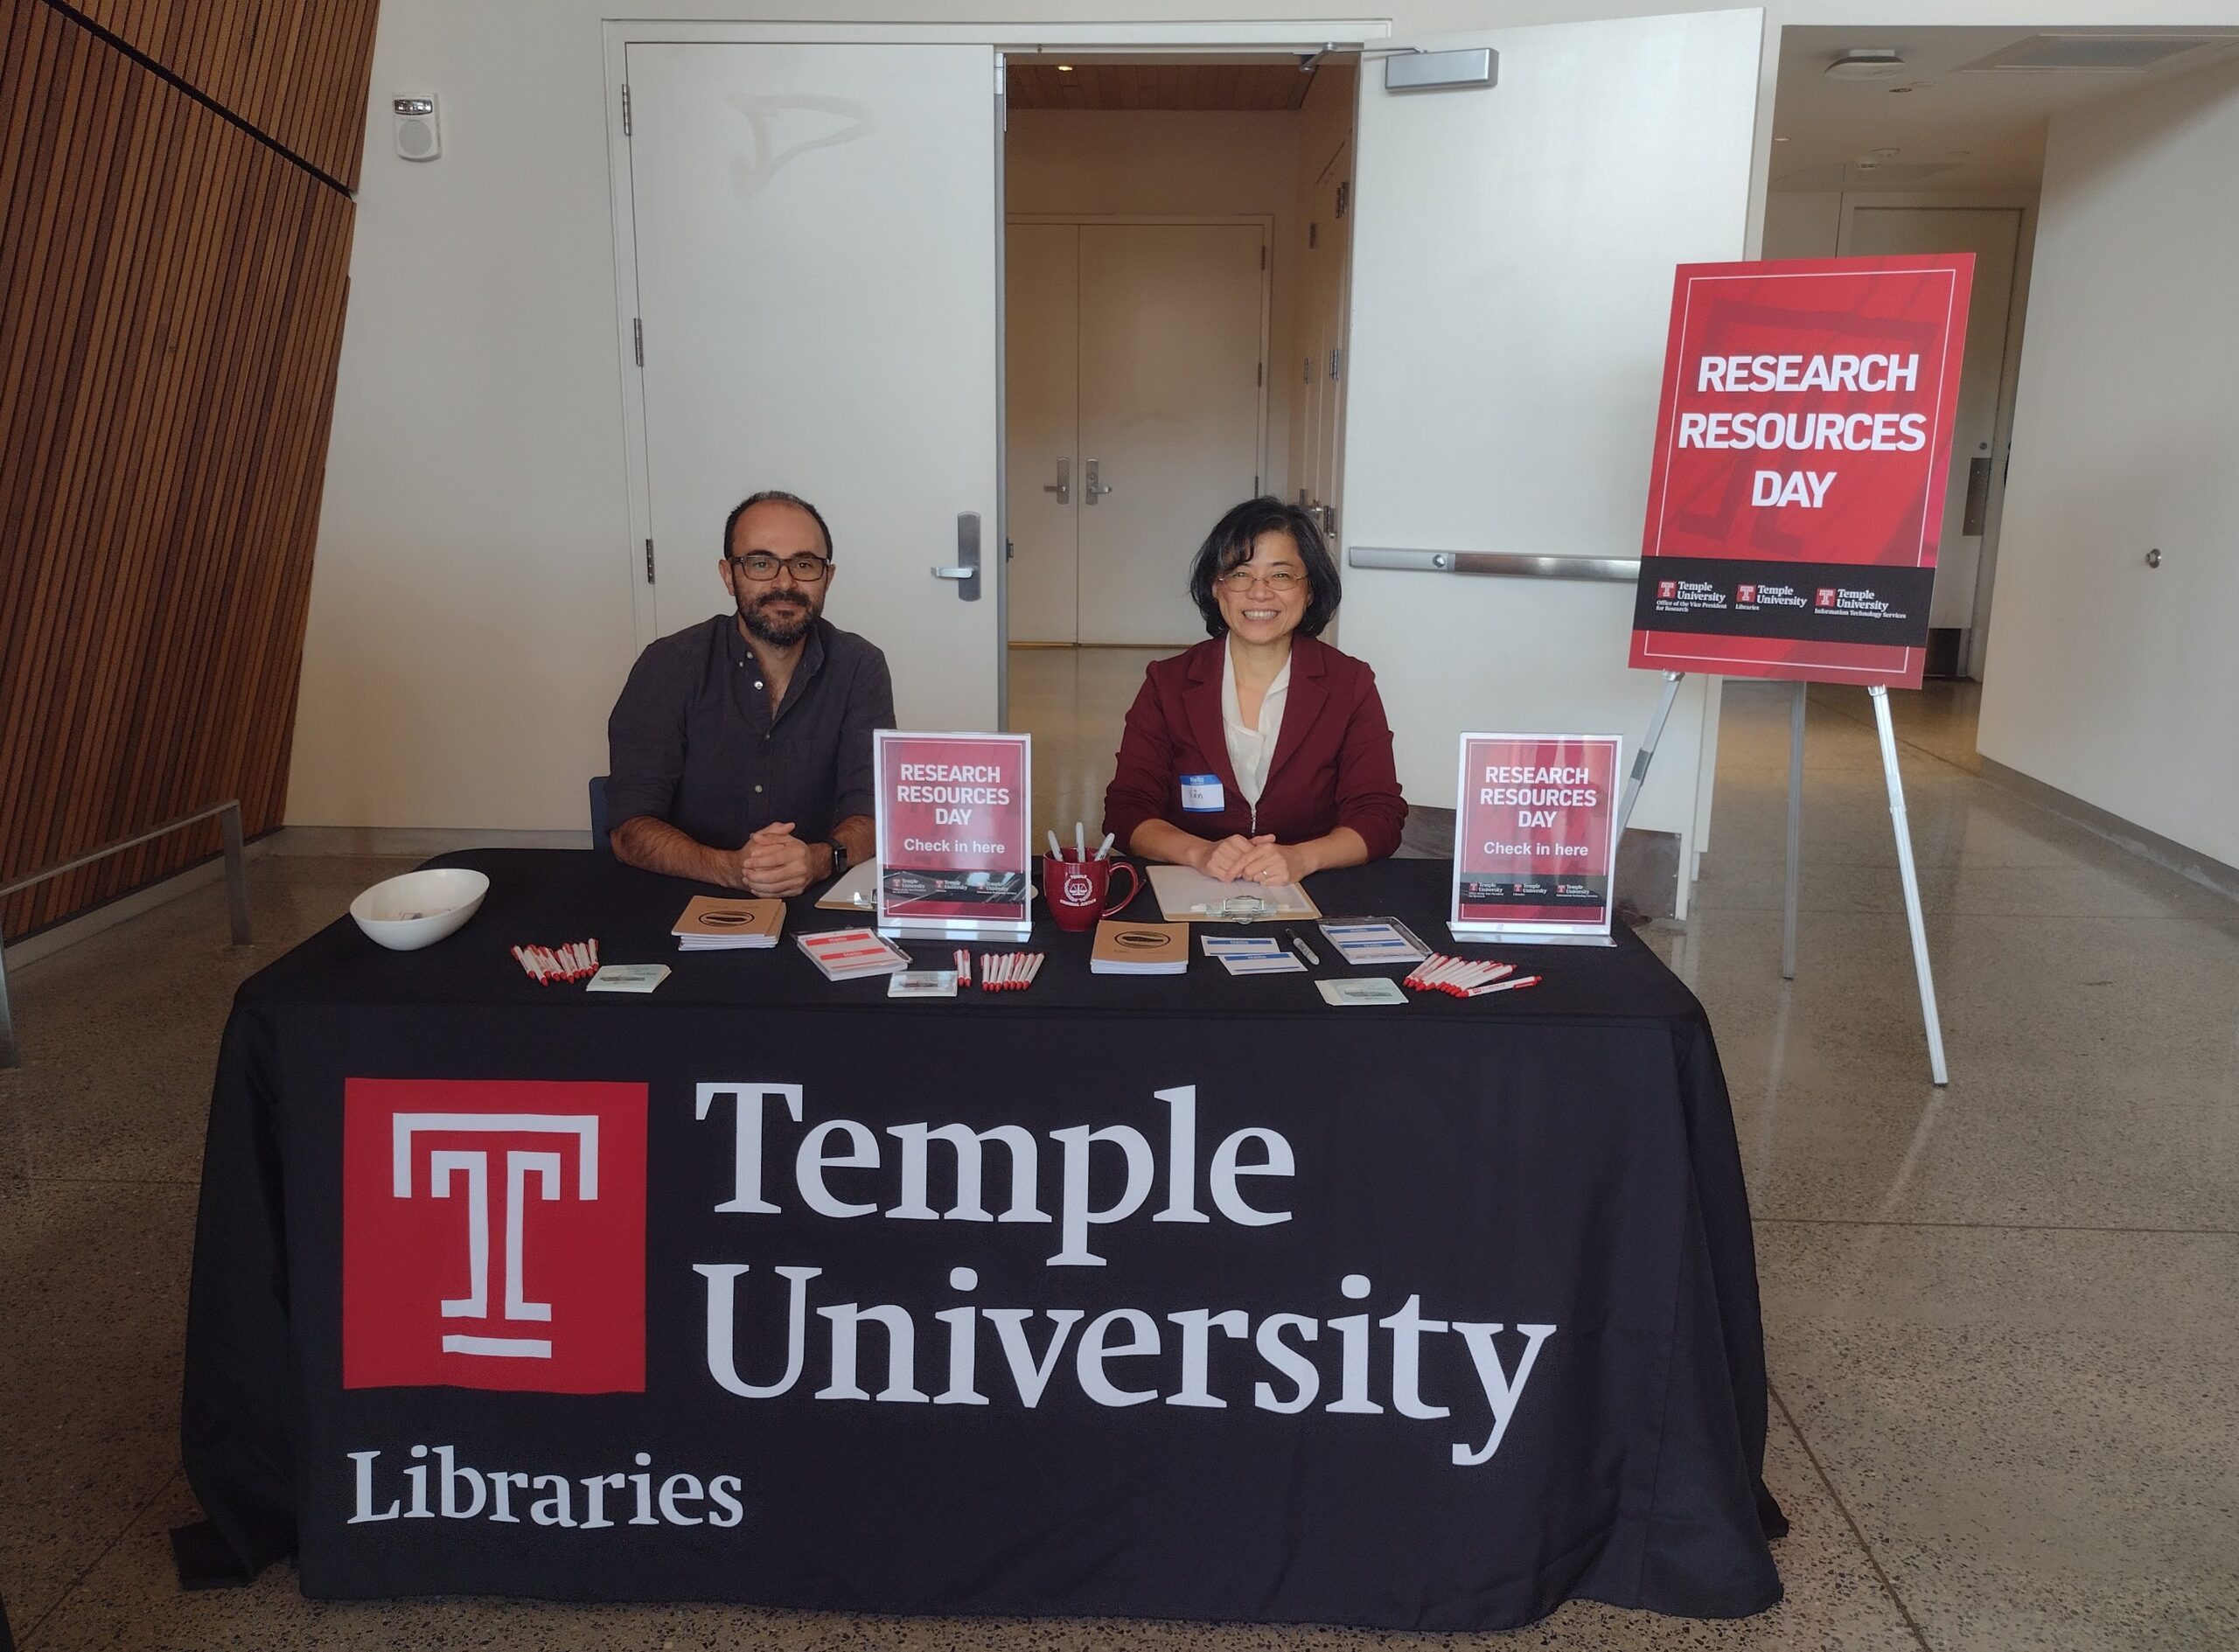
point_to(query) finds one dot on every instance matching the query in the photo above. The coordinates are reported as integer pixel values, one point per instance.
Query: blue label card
(1201, 794)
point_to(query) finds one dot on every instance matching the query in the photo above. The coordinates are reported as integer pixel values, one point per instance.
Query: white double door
(1317, 425)
(1135, 365)
(811, 238)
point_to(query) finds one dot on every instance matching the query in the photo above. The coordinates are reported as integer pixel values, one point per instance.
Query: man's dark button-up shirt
(692, 740)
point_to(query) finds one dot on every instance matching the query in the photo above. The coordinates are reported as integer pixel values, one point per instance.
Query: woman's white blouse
(1250, 751)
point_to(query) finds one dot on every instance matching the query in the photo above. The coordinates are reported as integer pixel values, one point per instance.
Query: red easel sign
(1803, 444)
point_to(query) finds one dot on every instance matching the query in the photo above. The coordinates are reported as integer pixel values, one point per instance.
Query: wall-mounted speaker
(417, 137)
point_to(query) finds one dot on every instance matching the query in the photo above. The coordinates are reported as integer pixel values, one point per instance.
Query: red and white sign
(1802, 444)
(955, 856)
(1535, 841)
(493, 1235)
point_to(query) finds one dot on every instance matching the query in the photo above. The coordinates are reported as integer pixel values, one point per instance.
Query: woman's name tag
(1201, 794)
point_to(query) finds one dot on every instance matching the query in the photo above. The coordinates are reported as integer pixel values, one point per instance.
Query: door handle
(1063, 487)
(966, 571)
(1092, 485)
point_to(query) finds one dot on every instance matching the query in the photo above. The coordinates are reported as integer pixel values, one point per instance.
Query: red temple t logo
(493, 1235)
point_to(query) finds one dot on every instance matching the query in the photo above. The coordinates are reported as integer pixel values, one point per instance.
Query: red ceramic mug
(1076, 889)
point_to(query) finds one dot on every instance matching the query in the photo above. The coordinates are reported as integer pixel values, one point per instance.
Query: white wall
(1098, 161)
(2115, 682)
(470, 604)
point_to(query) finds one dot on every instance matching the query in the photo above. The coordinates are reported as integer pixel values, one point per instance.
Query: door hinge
(1260, 374)
(1255, 485)
(649, 562)
(1263, 254)
(1336, 360)
(637, 339)
(626, 110)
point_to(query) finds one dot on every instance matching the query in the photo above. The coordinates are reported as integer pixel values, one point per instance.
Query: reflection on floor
(1072, 701)
(2001, 1316)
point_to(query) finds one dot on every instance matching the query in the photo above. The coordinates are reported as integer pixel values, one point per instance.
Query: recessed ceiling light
(1882, 155)
(1868, 63)
(1780, 140)
(1064, 68)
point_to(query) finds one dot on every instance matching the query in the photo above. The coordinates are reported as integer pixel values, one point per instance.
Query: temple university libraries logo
(1745, 594)
(493, 1235)
(1826, 596)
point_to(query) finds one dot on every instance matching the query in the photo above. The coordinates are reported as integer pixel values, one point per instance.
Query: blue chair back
(599, 822)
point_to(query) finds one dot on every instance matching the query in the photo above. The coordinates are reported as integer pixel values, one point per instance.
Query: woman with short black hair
(1263, 755)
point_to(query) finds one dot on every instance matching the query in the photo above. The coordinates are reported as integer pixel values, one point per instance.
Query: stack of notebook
(714, 924)
(1140, 949)
(847, 955)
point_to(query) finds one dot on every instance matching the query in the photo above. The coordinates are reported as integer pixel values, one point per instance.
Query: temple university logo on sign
(1825, 597)
(1745, 594)
(493, 1235)
(1667, 589)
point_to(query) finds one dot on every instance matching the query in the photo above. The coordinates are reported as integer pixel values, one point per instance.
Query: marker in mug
(1055, 853)
(1080, 841)
(1103, 849)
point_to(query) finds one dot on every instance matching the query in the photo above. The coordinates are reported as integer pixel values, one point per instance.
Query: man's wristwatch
(839, 855)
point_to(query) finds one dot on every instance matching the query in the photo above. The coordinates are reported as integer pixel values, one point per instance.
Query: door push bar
(1499, 564)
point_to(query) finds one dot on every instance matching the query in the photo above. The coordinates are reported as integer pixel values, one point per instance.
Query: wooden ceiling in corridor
(1090, 85)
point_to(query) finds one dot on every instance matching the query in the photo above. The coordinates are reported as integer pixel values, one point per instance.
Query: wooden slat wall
(294, 69)
(171, 293)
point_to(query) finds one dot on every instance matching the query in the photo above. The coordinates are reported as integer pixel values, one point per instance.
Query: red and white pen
(1435, 969)
(1477, 975)
(963, 966)
(1502, 986)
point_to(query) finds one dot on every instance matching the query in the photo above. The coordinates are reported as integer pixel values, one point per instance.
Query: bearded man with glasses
(739, 753)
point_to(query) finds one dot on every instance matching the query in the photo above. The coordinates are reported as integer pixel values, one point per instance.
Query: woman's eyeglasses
(1275, 579)
(761, 565)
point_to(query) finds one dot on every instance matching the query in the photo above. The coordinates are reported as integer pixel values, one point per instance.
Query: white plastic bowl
(419, 909)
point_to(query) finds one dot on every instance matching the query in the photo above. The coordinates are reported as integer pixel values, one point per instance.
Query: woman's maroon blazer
(1332, 765)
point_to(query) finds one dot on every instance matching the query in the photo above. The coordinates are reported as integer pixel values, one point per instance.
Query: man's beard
(778, 633)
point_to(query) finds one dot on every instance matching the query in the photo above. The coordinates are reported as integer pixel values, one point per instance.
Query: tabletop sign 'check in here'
(1803, 444)
(954, 853)
(1535, 841)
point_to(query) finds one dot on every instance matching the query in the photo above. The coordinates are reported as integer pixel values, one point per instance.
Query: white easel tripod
(1897, 819)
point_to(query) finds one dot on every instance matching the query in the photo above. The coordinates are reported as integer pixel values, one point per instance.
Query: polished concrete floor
(2001, 1317)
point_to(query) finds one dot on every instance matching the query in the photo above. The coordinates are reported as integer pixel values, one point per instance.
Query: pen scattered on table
(1003, 971)
(1464, 977)
(576, 961)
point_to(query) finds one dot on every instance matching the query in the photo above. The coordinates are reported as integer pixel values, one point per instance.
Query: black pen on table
(1299, 945)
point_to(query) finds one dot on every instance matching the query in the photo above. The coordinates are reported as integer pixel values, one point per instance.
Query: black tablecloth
(1432, 1315)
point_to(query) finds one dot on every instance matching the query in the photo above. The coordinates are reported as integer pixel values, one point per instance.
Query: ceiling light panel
(2100, 52)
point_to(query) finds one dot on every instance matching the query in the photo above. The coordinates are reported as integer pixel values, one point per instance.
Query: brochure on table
(1803, 447)
(954, 847)
(1535, 842)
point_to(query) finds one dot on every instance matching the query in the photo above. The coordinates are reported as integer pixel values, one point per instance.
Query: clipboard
(1187, 896)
